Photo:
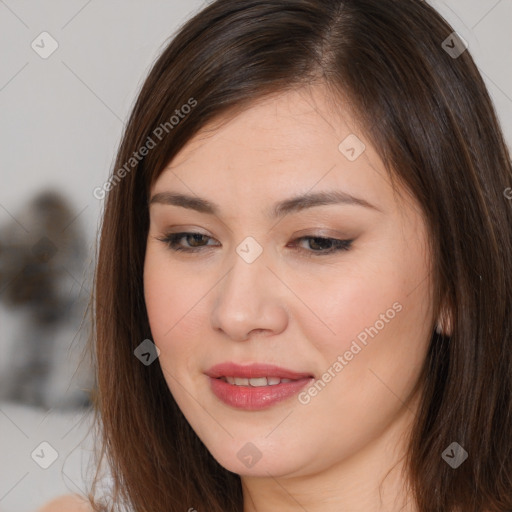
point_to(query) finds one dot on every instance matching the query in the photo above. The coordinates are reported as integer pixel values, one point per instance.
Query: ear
(444, 324)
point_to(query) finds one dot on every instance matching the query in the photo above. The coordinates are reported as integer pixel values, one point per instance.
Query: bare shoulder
(68, 503)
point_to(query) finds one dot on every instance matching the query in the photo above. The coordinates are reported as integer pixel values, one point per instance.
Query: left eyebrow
(279, 209)
(311, 200)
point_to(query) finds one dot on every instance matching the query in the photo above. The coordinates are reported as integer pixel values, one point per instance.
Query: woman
(304, 285)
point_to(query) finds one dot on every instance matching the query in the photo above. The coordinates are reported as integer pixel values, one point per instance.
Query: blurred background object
(42, 262)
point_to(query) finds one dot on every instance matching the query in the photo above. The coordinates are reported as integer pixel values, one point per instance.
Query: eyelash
(171, 240)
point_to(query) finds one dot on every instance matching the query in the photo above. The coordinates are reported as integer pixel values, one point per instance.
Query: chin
(258, 458)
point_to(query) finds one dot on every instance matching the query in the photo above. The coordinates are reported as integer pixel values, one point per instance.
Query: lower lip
(255, 398)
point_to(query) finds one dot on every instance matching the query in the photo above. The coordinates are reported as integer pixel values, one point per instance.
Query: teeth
(255, 382)
(261, 381)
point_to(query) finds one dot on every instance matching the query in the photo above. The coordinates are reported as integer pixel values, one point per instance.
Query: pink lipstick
(255, 386)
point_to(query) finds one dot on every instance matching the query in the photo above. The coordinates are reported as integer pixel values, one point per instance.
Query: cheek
(175, 310)
(373, 360)
(349, 305)
(378, 313)
(166, 293)
(158, 297)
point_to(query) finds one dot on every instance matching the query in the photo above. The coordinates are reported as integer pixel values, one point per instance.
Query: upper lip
(253, 371)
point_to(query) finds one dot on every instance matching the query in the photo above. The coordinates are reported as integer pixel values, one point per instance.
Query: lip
(255, 398)
(253, 371)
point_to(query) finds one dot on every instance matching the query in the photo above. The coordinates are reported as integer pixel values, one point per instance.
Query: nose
(249, 299)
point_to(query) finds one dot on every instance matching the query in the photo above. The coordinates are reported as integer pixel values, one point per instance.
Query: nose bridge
(246, 298)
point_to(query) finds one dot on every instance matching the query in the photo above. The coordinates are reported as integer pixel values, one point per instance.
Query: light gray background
(61, 120)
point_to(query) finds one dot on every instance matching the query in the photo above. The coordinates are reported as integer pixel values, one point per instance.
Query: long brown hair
(428, 114)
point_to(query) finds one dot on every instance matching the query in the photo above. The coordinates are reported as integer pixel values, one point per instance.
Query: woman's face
(269, 285)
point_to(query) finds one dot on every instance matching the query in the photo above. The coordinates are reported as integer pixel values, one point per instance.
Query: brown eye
(193, 240)
(320, 246)
(195, 237)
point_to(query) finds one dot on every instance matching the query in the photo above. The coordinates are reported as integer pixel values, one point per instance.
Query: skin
(292, 310)
(68, 503)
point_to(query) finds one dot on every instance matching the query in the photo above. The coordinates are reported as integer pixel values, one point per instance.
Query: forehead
(288, 144)
(294, 122)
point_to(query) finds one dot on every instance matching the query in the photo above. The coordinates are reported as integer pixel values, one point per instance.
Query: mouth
(255, 382)
(256, 386)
